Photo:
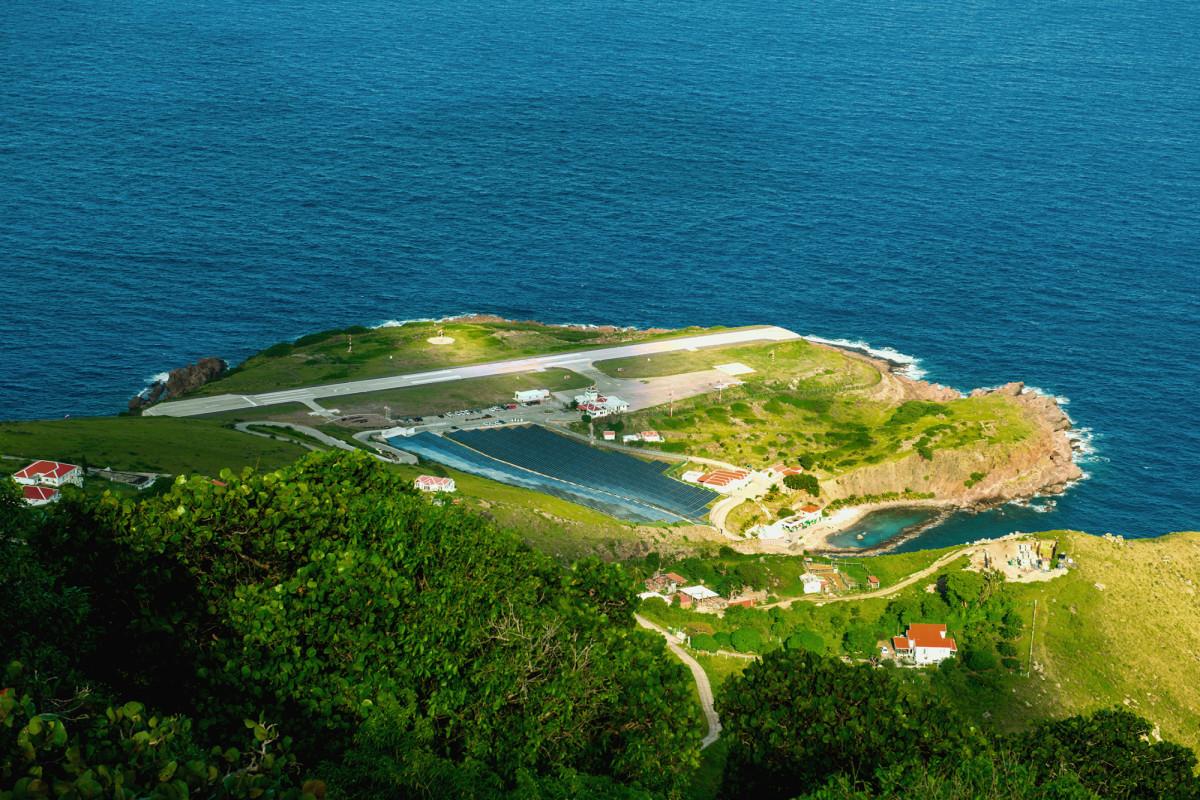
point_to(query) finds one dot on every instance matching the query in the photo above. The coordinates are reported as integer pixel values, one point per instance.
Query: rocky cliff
(1040, 463)
(180, 382)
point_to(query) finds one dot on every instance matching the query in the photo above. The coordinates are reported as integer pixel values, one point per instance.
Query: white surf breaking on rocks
(910, 366)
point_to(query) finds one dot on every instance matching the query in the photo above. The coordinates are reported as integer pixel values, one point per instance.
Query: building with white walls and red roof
(40, 495)
(430, 483)
(49, 473)
(925, 643)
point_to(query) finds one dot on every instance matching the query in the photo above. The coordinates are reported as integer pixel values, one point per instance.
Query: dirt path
(702, 683)
(909, 581)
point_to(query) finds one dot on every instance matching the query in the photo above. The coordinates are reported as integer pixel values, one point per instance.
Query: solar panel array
(455, 455)
(536, 448)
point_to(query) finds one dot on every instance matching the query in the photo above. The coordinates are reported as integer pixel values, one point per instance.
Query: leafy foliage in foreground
(803, 724)
(329, 592)
(796, 718)
(69, 747)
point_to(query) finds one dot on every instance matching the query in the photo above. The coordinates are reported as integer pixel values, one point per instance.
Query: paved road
(575, 360)
(705, 688)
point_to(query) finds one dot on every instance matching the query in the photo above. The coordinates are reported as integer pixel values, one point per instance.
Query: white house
(532, 395)
(812, 584)
(49, 473)
(610, 436)
(651, 436)
(631, 437)
(429, 483)
(925, 643)
(693, 476)
(40, 495)
(399, 431)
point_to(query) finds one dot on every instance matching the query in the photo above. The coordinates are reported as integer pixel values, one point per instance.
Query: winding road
(702, 683)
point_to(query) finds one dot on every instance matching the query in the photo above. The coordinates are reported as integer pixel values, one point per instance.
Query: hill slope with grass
(1123, 629)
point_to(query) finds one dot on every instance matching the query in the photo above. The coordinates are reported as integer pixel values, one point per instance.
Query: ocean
(988, 191)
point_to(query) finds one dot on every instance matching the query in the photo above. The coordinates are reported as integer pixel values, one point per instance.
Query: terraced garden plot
(535, 448)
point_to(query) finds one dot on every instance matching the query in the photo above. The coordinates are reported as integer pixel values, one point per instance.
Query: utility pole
(1032, 628)
(351, 344)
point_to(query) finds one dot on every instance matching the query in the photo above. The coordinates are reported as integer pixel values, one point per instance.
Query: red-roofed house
(651, 436)
(610, 436)
(665, 584)
(926, 643)
(40, 495)
(50, 473)
(872, 581)
(429, 483)
(780, 471)
(724, 480)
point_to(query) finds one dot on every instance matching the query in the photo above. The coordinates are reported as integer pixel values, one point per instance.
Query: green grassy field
(327, 357)
(1122, 629)
(145, 444)
(809, 366)
(762, 425)
(432, 399)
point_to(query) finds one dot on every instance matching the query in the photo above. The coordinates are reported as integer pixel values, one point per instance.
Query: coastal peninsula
(745, 400)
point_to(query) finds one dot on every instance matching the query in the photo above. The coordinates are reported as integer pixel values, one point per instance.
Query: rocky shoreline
(1043, 466)
(179, 382)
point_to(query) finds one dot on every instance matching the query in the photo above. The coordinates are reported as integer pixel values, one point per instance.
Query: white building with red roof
(49, 473)
(651, 436)
(925, 643)
(40, 495)
(725, 480)
(431, 483)
(610, 436)
(596, 405)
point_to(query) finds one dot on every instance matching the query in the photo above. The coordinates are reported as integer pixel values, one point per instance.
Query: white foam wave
(1058, 398)
(910, 366)
(397, 323)
(159, 378)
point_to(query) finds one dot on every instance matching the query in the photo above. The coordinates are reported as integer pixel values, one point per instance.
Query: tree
(653, 561)
(982, 660)
(806, 640)
(794, 718)
(964, 588)
(905, 609)
(705, 642)
(934, 608)
(808, 461)
(803, 482)
(1111, 753)
(314, 593)
(747, 640)
(860, 640)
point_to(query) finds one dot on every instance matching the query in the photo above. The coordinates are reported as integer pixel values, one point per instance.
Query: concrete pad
(734, 369)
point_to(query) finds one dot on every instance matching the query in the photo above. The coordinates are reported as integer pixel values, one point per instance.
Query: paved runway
(577, 361)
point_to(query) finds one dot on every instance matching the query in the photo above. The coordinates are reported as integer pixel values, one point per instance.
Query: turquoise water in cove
(989, 190)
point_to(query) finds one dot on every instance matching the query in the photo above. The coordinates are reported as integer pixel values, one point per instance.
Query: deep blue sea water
(1003, 190)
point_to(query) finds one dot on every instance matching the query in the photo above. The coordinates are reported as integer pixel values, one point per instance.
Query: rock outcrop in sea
(179, 382)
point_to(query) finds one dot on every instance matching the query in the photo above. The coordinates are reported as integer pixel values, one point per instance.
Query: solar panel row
(455, 455)
(536, 448)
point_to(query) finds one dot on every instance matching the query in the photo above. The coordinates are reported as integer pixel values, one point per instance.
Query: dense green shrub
(312, 593)
(1011, 663)
(705, 642)
(277, 350)
(793, 719)
(807, 640)
(1006, 649)
(914, 410)
(723, 639)
(747, 640)
(982, 660)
